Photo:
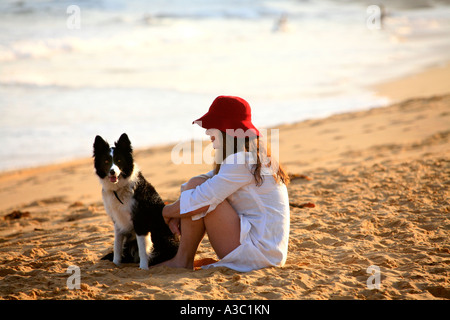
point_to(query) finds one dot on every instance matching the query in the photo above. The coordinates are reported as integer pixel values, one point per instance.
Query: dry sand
(379, 180)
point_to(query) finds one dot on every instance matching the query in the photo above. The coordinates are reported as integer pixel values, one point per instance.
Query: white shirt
(263, 211)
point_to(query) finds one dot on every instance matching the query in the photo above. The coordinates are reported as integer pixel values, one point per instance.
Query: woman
(242, 204)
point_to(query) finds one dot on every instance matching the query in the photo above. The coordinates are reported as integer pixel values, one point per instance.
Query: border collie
(140, 233)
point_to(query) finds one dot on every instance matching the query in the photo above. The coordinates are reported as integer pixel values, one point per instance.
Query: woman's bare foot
(175, 262)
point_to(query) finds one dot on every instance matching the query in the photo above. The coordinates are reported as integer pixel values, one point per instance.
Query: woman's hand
(170, 220)
(172, 217)
(174, 226)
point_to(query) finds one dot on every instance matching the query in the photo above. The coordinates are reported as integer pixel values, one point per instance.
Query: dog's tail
(130, 252)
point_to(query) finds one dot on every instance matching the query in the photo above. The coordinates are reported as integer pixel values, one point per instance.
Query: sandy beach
(379, 180)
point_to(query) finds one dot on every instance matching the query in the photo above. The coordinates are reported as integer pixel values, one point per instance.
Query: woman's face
(216, 137)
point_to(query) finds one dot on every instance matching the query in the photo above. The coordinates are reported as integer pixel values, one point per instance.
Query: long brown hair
(262, 155)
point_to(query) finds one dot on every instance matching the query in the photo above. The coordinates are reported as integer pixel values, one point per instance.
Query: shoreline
(432, 81)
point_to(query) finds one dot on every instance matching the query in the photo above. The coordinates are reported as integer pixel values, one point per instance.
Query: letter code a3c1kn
(246, 309)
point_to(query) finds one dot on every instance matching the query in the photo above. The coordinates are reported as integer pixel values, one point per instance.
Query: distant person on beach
(242, 204)
(281, 25)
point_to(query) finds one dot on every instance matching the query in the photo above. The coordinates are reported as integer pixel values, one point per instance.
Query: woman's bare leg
(192, 232)
(222, 225)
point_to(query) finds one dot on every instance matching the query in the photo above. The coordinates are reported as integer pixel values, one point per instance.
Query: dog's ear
(124, 143)
(100, 145)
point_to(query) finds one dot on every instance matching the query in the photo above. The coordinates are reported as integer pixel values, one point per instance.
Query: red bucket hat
(228, 112)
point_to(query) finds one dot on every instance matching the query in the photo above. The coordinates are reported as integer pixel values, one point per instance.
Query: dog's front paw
(117, 262)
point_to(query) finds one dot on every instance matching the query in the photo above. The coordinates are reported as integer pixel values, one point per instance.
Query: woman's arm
(208, 195)
(172, 216)
(172, 211)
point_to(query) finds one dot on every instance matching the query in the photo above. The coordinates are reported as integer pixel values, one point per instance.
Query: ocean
(71, 70)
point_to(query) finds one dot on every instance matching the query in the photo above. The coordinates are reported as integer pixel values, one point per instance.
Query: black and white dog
(140, 233)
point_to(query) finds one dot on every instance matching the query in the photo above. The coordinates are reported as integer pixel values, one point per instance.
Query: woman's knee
(193, 183)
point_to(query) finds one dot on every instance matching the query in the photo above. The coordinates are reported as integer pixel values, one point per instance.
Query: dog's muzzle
(114, 174)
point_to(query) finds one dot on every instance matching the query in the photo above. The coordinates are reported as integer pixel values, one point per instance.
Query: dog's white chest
(119, 212)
